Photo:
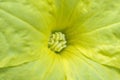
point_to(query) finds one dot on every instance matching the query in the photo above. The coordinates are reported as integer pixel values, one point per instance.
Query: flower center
(57, 42)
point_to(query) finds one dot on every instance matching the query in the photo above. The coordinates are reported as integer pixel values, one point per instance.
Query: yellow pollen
(57, 42)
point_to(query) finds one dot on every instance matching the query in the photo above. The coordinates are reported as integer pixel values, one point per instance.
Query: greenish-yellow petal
(47, 67)
(98, 35)
(91, 32)
(21, 33)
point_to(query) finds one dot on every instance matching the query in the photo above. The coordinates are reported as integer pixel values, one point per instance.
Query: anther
(57, 42)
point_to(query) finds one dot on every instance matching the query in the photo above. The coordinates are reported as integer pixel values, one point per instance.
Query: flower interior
(59, 39)
(57, 42)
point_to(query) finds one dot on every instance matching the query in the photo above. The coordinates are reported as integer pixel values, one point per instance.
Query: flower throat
(57, 42)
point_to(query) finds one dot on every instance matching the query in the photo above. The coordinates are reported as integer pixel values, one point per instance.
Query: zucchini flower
(59, 39)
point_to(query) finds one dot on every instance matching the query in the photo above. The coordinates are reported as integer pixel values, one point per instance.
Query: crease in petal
(21, 42)
(77, 66)
(35, 19)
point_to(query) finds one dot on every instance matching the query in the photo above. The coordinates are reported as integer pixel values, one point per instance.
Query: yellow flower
(59, 40)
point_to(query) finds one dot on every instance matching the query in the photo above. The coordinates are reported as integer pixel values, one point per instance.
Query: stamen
(57, 42)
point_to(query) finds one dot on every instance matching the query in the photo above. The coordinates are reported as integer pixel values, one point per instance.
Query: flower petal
(79, 67)
(22, 31)
(98, 35)
(64, 10)
(28, 13)
(48, 67)
(103, 45)
(85, 69)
